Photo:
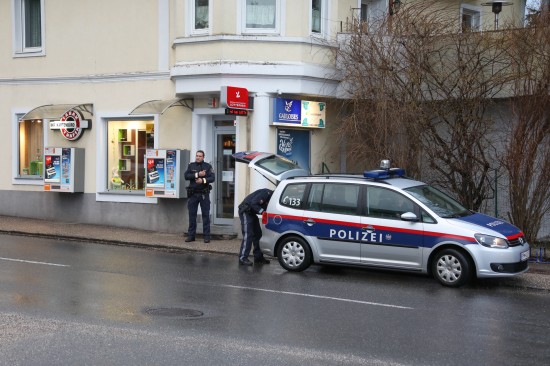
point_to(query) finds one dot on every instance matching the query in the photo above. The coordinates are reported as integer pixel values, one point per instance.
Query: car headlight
(491, 241)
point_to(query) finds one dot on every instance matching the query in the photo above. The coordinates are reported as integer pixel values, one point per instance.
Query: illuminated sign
(313, 114)
(236, 112)
(71, 125)
(234, 97)
(298, 113)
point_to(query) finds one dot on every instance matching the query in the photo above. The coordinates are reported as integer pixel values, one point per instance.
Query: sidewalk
(538, 276)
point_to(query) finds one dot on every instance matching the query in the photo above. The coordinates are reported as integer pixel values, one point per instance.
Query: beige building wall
(119, 54)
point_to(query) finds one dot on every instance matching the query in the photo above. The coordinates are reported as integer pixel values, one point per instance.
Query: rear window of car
(293, 195)
(277, 165)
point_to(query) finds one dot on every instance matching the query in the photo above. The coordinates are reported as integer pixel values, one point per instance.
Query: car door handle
(369, 229)
(309, 222)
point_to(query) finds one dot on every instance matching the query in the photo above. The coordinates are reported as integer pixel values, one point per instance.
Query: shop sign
(299, 113)
(313, 114)
(235, 112)
(71, 125)
(234, 97)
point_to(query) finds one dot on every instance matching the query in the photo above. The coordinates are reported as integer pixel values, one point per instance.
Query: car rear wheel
(451, 268)
(294, 254)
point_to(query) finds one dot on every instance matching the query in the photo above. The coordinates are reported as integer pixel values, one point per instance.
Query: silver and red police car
(383, 220)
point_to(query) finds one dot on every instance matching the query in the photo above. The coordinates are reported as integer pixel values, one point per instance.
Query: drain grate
(174, 312)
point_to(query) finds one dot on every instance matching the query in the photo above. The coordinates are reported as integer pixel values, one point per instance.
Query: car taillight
(264, 217)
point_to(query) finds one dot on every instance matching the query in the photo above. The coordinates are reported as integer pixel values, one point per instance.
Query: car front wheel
(451, 268)
(294, 254)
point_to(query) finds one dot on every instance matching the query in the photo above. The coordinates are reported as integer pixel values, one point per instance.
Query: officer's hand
(202, 173)
(198, 181)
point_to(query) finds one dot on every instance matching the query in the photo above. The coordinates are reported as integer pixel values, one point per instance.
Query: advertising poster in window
(294, 145)
(155, 172)
(52, 173)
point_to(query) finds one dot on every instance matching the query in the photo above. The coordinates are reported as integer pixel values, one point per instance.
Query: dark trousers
(193, 206)
(252, 232)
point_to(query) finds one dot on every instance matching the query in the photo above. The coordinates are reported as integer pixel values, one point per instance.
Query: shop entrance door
(224, 203)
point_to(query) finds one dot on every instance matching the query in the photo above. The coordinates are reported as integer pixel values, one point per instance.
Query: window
(277, 165)
(333, 198)
(316, 16)
(29, 26)
(201, 16)
(31, 148)
(387, 204)
(470, 18)
(262, 16)
(128, 141)
(438, 202)
(364, 11)
(293, 195)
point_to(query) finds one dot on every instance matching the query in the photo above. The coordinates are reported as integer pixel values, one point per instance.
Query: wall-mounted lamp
(496, 8)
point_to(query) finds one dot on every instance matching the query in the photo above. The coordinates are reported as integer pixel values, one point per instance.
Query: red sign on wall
(234, 97)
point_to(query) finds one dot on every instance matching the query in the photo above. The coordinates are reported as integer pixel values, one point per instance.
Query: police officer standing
(200, 175)
(254, 204)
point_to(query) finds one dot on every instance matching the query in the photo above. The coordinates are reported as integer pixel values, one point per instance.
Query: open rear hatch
(274, 168)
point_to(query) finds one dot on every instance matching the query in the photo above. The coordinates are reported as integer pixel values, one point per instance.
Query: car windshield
(437, 201)
(277, 164)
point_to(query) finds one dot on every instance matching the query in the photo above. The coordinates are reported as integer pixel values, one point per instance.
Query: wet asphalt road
(76, 303)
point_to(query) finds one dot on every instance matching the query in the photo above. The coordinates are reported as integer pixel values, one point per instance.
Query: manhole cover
(176, 312)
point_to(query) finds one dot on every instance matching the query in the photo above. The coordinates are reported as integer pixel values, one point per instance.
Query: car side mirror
(409, 216)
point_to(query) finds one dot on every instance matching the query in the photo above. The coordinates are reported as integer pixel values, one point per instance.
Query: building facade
(114, 79)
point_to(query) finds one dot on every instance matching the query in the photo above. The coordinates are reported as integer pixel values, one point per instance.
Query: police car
(382, 220)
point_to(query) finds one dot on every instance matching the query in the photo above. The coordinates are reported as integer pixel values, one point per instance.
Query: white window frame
(279, 24)
(324, 19)
(191, 20)
(474, 11)
(19, 49)
(16, 178)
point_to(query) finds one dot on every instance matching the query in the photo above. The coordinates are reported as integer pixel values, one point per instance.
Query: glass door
(224, 202)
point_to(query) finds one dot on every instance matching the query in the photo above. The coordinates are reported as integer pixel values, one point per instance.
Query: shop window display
(128, 142)
(31, 148)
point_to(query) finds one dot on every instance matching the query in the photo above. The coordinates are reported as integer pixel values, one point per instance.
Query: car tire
(294, 254)
(451, 268)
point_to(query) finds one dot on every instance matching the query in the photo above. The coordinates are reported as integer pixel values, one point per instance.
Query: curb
(132, 244)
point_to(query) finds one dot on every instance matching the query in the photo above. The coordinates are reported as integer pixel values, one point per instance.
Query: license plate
(524, 255)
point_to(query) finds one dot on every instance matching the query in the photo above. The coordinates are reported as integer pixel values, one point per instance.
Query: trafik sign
(234, 97)
(71, 125)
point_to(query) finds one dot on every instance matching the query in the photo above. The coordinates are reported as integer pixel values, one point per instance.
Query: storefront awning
(160, 106)
(56, 111)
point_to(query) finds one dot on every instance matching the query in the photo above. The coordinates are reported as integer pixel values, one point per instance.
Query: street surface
(65, 302)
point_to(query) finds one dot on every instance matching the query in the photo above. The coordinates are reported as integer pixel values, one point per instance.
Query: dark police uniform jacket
(256, 202)
(191, 175)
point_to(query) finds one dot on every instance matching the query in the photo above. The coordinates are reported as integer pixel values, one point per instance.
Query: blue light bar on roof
(384, 173)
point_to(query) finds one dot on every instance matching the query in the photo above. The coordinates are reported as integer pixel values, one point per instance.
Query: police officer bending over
(200, 175)
(254, 204)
